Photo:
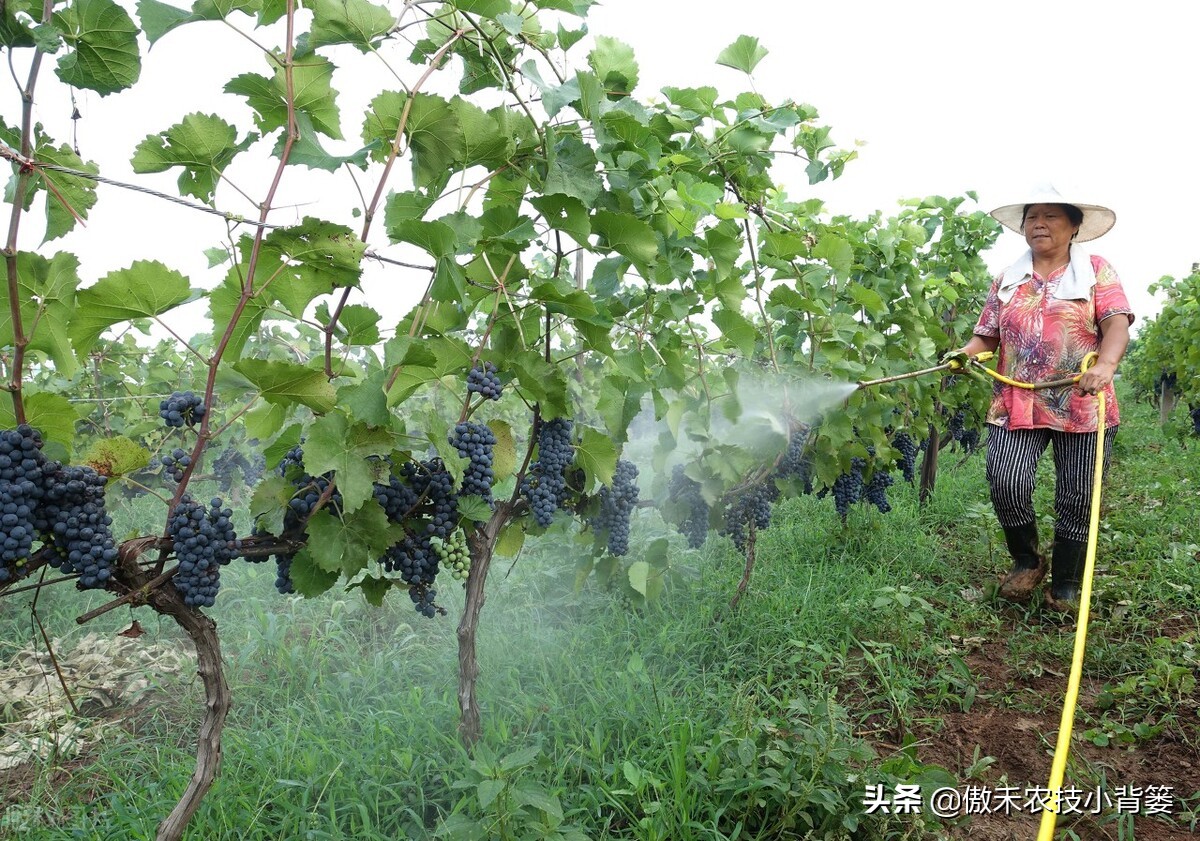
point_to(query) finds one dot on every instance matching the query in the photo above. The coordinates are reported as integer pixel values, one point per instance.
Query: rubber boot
(1066, 575)
(1029, 565)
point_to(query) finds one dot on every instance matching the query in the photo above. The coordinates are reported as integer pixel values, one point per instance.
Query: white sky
(944, 96)
(950, 96)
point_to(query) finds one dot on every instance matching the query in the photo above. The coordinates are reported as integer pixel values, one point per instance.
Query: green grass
(664, 723)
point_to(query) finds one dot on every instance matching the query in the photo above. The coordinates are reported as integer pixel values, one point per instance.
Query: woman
(1046, 312)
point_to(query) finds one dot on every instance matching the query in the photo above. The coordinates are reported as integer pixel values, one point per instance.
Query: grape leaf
(47, 294)
(223, 305)
(14, 33)
(314, 96)
(487, 8)
(146, 288)
(104, 55)
(337, 444)
(615, 64)
(160, 18)
(358, 325)
(354, 22)
(374, 589)
(434, 137)
(597, 455)
(743, 54)
(116, 456)
(736, 329)
(286, 383)
(630, 237)
(504, 452)
(365, 400)
(269, 503)
(571, 169)
(348, 543)
(308, 578)
(51, 414)
(308, 151)
(202, 144)
(565, 213)
(308, 260)
(510, 541)
(70, 196)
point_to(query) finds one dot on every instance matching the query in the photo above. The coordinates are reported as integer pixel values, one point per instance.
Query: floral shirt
(1045, 338)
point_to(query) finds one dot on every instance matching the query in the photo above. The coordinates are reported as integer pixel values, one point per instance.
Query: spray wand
(976, 361)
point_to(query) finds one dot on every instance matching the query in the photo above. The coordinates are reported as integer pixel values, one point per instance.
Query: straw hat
(1097, 219)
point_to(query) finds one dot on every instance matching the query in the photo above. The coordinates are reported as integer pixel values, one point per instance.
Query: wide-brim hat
(1097, 219)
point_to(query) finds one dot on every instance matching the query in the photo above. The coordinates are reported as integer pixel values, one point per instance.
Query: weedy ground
(870, 653)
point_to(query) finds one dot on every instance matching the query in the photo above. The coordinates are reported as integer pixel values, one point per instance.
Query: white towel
(1075, 284)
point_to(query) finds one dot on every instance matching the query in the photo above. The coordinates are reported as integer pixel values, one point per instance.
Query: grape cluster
(283, 575)
(908, 448)
(204, 542)
(233, 464)
(475, 442)
(422, 499)
(968, 439)
(483, 380)
(309, 490)
(848, 488)
(957, 424)
(545, 486)
(616, 505)
(686, 492)
(175, 463)
(396, 498)
(1195, 413)
(63, 506)
(73, 513)
(797, 462)
(422, 599)
(454, 554)
(749, 506)
(182, 407)
(434, 487)
(23, 471)
(875, 491)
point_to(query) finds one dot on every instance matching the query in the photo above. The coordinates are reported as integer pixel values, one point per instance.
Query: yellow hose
(1066, 723)
(1063, 745)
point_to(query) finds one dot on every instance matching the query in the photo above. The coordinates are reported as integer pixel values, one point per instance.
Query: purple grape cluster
(204, 541)
(752, 505)
(797, 462)
(23, 472)
(848, 488)
(309, 490)
(484, 380)
(686, 492)
(545, 485)
(181, 408)
(875, 490)
(475, 441)
(74, 515)
(175, 463)
(421, 499)
(908, 449)
(616, 506)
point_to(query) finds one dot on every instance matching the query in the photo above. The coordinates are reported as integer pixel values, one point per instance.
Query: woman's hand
(956, 359)
(1097, 377)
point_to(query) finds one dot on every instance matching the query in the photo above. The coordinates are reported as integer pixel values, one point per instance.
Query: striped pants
(1012, 459)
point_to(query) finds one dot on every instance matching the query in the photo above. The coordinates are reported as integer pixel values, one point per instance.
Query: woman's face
(1048, 229)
